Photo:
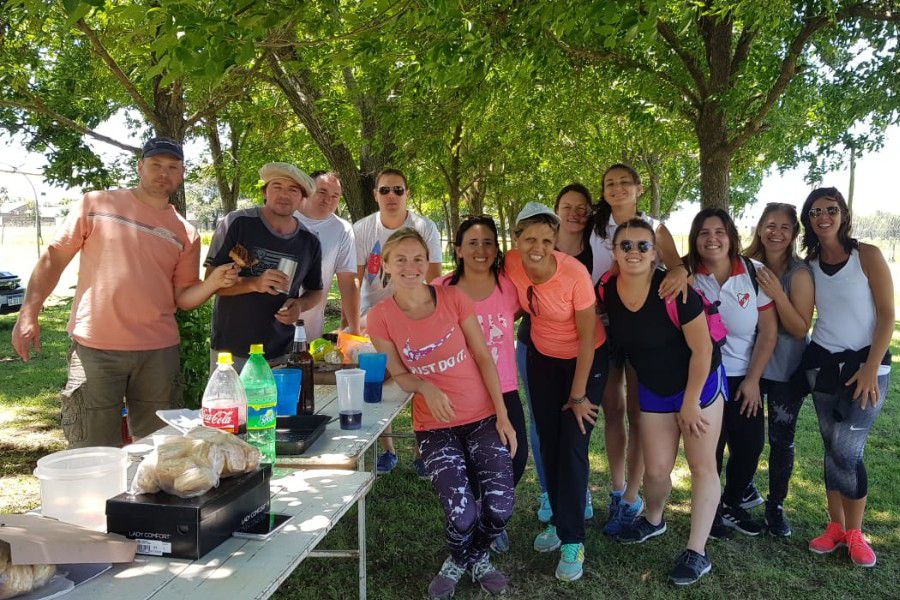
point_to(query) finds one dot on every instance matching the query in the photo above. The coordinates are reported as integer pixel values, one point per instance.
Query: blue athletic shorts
(715, 384)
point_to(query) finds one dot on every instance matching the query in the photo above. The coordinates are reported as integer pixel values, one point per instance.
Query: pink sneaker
(831, 540)
(861, 552)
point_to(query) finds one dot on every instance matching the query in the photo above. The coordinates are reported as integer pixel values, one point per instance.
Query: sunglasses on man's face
(642, 246)
(817, 211)
(387, 189)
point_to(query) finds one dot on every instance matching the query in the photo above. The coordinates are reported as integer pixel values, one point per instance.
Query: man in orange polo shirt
(140, 260)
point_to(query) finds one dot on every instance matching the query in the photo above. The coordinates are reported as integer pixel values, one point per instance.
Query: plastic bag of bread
(240, 457)
(192, 465)
(183, 467)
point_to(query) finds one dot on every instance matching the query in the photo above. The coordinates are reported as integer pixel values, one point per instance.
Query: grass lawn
(405, 522)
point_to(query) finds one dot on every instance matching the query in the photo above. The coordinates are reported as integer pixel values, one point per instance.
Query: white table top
(340, 448)
(241, 568)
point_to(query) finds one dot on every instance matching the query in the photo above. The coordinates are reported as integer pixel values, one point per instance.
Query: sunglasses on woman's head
(532, 300)
(387, 189)
(642, 246)
(817, 211)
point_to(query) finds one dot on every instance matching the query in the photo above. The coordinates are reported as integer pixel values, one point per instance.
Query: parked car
(11, 293)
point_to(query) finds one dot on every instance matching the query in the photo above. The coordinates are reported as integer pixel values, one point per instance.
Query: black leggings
(517, 417)
(783, 403)
(745, 437)
(564, 448)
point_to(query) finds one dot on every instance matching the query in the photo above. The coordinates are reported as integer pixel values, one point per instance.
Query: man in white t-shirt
(317, 213)
(391, 193)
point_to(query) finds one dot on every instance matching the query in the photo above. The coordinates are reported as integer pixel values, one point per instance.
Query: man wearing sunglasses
(371, 232)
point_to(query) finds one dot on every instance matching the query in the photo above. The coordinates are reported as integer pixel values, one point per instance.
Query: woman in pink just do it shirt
(437, 351)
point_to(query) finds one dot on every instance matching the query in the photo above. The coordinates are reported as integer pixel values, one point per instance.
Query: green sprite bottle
(262, 397)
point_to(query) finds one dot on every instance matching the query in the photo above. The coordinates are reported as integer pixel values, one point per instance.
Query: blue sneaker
(547, 540)
(544, 512)
(588, 505)
(627, 513)
(571, 559)
(500, 545)
(386, 462)
(419, 467)
(612, 513)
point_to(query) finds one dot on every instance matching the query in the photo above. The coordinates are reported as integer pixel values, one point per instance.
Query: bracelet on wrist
(575, 400)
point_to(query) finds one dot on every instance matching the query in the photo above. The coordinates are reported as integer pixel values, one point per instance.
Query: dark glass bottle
(300, 358)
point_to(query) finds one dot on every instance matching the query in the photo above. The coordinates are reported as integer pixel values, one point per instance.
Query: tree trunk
(652, 160)
(357, 179)
(227, 193)
(169, 106)
(715, 159)
(501, 225)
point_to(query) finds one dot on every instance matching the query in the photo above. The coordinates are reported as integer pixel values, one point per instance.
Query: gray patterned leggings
(845, 429)
(450, 455)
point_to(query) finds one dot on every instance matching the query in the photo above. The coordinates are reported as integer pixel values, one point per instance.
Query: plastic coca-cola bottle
(224, 404)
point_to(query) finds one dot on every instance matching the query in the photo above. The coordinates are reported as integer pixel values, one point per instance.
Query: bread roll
(42, 574)
(196, 481)
(15, 580)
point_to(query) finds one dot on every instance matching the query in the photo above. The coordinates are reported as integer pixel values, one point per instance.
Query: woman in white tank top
(847, 363)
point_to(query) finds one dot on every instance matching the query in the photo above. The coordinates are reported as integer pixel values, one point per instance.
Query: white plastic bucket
(75, 484)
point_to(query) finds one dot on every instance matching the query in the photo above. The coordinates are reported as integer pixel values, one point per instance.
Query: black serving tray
(293, 435)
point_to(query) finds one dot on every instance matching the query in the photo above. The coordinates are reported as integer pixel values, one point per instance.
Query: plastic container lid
(225, 358)
(81, 463)
(256, 348)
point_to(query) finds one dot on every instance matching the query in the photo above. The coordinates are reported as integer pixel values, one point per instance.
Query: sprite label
(261, 404)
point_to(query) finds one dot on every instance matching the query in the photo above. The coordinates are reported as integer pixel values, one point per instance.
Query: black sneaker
(719, 531)
(689, 567)
(739, 519)
(751, 497)
(641, 530)
(776, 522)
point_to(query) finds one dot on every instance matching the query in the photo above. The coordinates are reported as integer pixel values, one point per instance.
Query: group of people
(614, 322)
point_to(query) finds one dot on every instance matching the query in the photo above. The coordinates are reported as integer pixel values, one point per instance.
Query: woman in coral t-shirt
(567, 366)
(436, 350)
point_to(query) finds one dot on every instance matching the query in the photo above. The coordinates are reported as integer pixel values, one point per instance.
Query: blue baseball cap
(162, 145)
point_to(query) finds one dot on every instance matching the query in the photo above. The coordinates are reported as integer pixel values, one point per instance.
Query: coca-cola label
(225, 419)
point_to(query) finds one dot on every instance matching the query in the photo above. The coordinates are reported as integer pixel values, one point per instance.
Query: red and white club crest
(743, 299)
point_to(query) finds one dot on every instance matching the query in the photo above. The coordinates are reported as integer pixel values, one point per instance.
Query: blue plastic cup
(287, 382)
(374, 364)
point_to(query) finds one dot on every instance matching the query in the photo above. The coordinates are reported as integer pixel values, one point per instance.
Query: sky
(875, 185)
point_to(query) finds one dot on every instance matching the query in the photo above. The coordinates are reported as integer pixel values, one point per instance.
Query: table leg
(361, 530)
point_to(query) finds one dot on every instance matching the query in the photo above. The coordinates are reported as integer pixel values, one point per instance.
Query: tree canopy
(485, 104)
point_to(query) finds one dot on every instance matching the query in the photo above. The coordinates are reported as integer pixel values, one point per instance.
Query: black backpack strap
(751, 271)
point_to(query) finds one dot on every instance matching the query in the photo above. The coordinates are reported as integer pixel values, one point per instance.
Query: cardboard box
(35, 540)
(166, 525)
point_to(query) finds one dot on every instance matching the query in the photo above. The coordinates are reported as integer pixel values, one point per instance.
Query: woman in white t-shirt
(729, 281)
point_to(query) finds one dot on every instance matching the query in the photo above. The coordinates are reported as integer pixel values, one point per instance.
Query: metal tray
(293, 435)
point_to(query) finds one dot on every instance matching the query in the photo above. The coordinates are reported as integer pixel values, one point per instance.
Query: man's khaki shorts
(100, 381)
